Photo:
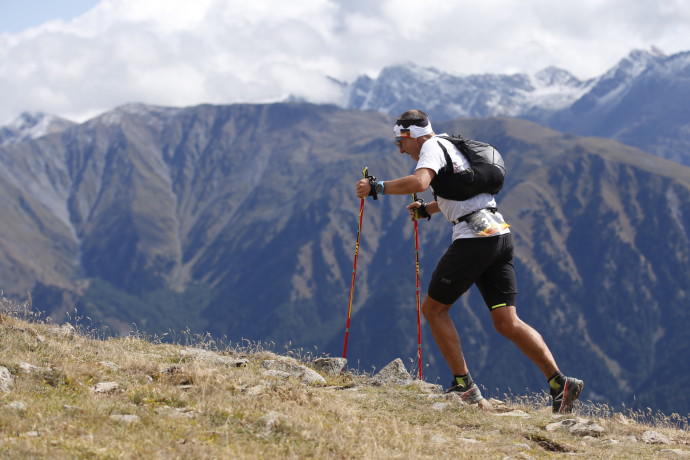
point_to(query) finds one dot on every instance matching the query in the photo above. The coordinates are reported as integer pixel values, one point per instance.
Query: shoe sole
(570, 397)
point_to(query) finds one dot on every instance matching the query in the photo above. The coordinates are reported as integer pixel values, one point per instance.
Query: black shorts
(488, 262)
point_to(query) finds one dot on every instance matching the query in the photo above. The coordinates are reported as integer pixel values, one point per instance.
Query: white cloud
(174, 52)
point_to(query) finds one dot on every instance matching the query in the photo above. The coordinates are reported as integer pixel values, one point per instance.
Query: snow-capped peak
(32, 125)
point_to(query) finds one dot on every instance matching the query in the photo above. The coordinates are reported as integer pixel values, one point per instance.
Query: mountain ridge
(239, 220)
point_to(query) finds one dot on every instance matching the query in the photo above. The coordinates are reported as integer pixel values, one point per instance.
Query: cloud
(174, 52)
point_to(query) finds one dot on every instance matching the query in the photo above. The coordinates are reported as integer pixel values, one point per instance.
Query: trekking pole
(417, 289)
(365, 174)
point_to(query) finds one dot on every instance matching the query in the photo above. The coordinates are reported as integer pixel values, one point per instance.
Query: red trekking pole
(365, 174)
(417, 289)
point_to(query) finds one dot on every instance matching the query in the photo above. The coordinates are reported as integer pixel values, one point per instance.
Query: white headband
(413, 130)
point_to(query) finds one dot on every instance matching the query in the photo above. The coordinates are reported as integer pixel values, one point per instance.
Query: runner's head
(411, 130)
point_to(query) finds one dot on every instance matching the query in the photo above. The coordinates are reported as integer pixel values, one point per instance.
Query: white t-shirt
(431, 157)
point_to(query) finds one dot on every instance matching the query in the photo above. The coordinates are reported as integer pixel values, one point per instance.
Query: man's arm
(414, 183)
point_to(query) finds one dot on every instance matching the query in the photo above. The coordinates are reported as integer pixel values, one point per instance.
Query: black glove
(421, 210)
(372, 185)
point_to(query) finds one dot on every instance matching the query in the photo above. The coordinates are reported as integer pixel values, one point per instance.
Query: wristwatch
(379, 187)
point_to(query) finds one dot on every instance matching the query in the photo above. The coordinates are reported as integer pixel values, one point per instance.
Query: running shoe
(468, 395)
(564, 398)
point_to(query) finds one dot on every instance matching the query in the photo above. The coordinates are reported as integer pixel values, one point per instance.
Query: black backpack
(485, 175)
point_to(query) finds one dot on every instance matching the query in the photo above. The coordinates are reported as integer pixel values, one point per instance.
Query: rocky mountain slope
(66, 395)
(240, 220)
(641, 101)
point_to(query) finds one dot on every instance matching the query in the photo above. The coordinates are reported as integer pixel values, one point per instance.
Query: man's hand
(420, 209)
(363, 188)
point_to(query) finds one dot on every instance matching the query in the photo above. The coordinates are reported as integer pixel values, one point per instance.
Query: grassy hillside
(71, 395)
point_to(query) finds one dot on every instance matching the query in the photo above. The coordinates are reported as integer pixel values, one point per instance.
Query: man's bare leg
(525, 337)
(445, 334)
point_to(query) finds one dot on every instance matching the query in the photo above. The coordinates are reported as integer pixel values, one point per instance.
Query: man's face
(409, 146)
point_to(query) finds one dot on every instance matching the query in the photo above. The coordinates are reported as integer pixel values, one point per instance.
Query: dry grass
(188, 407)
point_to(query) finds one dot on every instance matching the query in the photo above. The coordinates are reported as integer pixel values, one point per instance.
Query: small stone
(468, 440)
(69, 408)
(125, 418)
(393, 373)
(106, 387)
(654, 437)
(32, 434)
(110, 365)
(675, 453)
(17, 405)
(438, 439)
(439, 406)
(331, 366)
(6, 379)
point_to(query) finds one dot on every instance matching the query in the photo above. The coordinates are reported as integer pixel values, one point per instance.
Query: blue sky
(79, 58)
(17, 15)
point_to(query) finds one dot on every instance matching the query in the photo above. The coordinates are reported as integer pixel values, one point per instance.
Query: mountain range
(641, 101)
(240, 220)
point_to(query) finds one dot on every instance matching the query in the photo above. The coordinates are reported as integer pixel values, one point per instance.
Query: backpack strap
(449, 164)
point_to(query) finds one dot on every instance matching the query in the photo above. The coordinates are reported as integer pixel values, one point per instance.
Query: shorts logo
(446, 281)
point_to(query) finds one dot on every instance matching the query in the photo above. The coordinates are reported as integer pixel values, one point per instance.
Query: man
(481, 253)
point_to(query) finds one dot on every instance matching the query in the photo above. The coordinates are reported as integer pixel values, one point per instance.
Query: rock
(292, 367)
(125, 418)
(330, 366)
(32, 434)
(275, 373)
(6, 379)
(426, 387)
(106, 387)
(469, 440)
(513, 413)
(27, 368)
(211, 357)
(17, 405)
(588, 428)
(654, 437)
(563, 424)
(610, 442)
(110, 365)
(577, 427)
(394, 373)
